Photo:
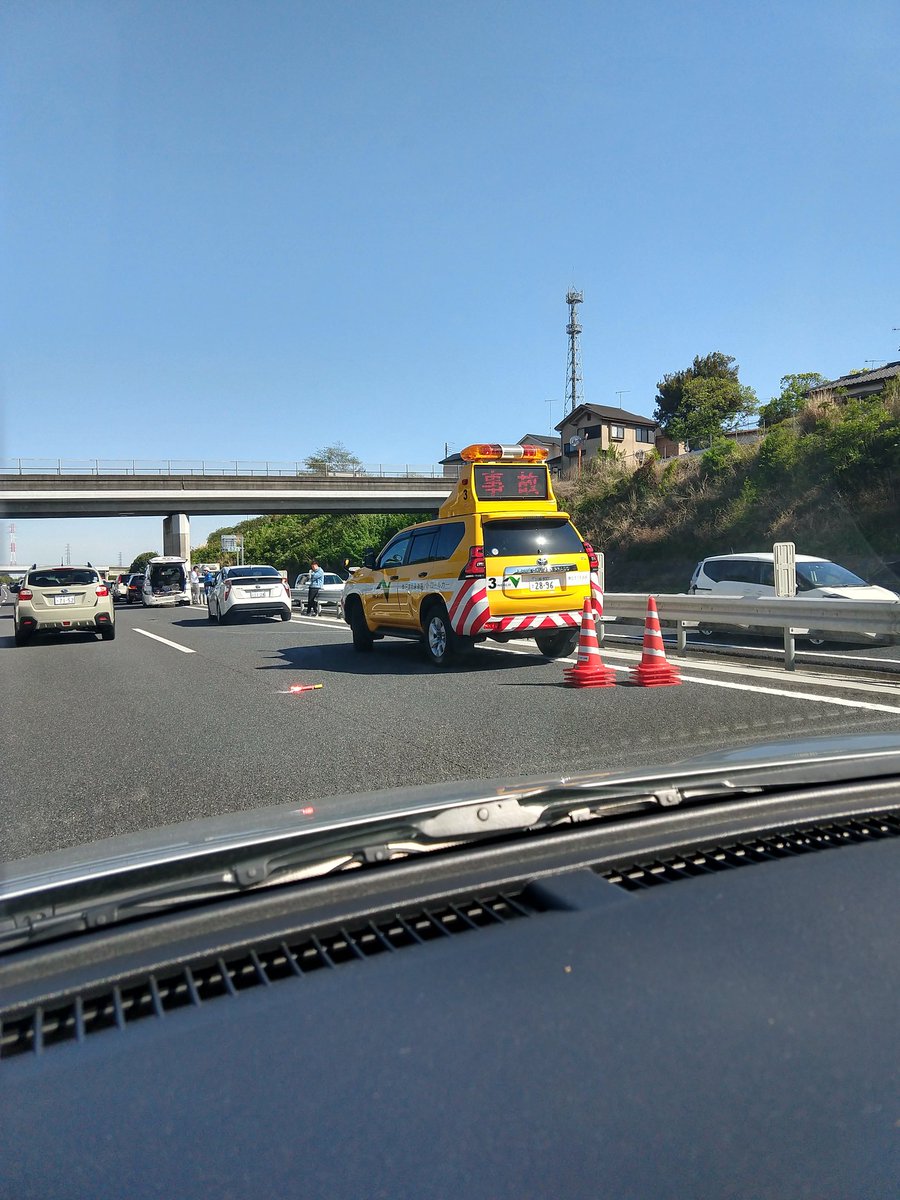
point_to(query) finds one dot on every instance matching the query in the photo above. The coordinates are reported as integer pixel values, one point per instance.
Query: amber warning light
(495, 452)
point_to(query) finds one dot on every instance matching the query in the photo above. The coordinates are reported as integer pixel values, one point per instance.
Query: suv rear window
(249, 572)
(63, 577)
(530, 537)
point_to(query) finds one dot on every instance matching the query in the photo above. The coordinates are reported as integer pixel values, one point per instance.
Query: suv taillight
(593, 560)
(102, 590)
(474, 568)
(25, 594)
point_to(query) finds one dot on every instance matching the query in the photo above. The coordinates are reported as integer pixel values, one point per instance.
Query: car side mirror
(369, 559)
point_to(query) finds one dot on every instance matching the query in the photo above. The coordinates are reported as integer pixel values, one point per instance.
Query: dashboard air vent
(73, 1018)
(707, 860)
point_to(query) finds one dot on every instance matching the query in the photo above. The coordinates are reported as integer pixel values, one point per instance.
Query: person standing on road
(207, 581)
(195, 586)
(316, 583)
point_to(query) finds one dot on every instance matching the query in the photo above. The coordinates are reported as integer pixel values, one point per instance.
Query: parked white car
(329, 596)
(250, 591)
(753, 575)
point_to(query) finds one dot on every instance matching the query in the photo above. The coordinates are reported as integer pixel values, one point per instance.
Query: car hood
(800, 761)
(871, 592)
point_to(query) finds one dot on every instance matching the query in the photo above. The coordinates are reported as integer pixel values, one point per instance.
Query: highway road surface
(179, 718)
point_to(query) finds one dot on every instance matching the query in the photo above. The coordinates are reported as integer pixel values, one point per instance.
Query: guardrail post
(680, 637)
(790, 659)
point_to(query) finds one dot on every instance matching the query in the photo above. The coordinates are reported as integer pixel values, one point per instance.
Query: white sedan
(329, 595)
(254, 591)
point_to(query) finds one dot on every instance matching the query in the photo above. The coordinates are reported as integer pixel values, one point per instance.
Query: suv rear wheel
(108, 632)
(21, 636)
(557, 645)
(442, 645)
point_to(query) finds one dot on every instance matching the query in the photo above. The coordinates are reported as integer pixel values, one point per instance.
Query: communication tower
(574, 392)
(12, 543)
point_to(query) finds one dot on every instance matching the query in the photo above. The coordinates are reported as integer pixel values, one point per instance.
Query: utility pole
(68, 554)
(574, 392)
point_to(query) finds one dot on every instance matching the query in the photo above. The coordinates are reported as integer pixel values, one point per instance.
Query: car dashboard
(656, 1010)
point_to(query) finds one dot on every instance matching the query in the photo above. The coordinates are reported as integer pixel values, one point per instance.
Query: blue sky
(243, 230)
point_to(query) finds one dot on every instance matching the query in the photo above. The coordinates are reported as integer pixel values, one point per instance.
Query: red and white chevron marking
(470, 609)
(596, 594)
(529, 622)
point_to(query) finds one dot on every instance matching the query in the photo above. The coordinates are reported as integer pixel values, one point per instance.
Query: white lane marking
(318, 621)
(756, 651)
(773, 673)
(165, 641)
(768, 691)
(517, 646)
(737, 687)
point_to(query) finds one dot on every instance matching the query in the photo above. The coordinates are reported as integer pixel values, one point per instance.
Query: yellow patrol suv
(501, 561)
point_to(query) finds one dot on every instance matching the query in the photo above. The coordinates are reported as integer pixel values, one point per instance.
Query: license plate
(63, 599)
(257, 595)
(544, 585)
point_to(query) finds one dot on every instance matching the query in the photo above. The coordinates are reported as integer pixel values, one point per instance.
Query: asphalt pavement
(179, 718)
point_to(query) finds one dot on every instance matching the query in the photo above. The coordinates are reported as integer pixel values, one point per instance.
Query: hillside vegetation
(826, 479)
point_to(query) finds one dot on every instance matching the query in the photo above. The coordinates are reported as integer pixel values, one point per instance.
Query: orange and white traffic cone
(590, 671)
(654, 670)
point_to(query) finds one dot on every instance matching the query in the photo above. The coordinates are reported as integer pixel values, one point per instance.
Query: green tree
(792, 397)
(335, 457)
(139, 563)
(703, 400)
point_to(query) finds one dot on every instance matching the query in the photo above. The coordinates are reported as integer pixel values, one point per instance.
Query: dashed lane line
(165, 641)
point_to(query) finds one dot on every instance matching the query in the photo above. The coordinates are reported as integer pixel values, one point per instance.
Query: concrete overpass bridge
(31, 488)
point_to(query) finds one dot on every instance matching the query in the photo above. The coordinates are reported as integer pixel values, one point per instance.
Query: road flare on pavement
(654, 670)
(590, 671)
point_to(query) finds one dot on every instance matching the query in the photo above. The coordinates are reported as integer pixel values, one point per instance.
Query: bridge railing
(224, 467)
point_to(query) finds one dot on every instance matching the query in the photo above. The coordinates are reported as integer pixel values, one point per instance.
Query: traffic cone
(590, 671)
(654, 670)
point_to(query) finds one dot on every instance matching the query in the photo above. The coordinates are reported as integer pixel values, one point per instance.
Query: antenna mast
(12, 543)
(574, 393)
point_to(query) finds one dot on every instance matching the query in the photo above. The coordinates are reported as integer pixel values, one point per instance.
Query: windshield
(827, 574)
(250, 572)
(62, 577)
(530, 537)
(504, 317)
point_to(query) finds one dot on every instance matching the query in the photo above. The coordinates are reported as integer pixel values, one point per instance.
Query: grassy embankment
(828, 480)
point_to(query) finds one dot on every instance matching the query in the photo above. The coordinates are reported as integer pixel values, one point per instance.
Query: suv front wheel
(362, 637)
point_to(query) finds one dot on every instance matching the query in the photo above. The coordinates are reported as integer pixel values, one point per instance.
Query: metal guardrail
(875, 618)
(222, 467)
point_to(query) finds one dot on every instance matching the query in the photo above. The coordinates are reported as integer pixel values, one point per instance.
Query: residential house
(858, 385)
(592, 431)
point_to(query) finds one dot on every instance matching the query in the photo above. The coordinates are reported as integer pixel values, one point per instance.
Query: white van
(167, 580)
(753, 575)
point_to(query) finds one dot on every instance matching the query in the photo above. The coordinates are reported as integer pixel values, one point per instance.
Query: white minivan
(167, 580)
(753, 575)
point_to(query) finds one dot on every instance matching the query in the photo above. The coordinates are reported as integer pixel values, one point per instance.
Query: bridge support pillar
(177, 535)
